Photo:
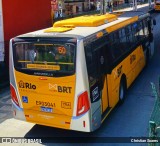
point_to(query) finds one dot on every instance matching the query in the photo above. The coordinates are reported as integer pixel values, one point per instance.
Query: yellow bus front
(43, 82)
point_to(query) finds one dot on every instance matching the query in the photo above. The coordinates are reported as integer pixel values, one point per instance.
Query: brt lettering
(64, 89)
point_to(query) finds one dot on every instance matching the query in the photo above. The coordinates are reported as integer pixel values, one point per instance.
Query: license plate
(46, 109)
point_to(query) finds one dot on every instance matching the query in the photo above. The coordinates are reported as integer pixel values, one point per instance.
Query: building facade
(21, 16)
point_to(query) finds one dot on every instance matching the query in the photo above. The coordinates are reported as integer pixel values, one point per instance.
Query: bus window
(115, 47)
(145, 27)
(141, 30)
(89, 61)
(136, 31)
(54, 57)
(122, 35)
(129, 35)
(19, 54)
(95, 57)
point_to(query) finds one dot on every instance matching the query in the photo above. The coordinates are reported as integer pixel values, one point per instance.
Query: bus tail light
(83, 103)
(13, 95)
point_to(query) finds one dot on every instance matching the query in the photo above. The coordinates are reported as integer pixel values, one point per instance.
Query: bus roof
(76, 28)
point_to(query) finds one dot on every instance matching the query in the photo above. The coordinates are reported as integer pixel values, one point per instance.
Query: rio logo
(26, 85)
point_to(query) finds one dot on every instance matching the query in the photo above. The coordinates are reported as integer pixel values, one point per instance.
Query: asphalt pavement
(5, 104)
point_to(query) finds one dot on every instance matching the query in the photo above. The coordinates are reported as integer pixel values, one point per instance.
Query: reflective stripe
(18, 108)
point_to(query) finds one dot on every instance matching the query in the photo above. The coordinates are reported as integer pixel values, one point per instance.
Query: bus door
(97, 74)
(101, 66)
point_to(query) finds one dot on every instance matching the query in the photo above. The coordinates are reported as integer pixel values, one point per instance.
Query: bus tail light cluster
(83, 103)
(14, 95)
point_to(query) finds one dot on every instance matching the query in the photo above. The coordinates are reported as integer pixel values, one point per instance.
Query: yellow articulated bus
(73, 74)
(157, 5)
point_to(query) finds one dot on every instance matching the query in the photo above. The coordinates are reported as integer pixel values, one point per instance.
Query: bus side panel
(114, 80)
(137, 63)
(131, 66)
(82, 122)
(105, 103)
(141, 60)
(113, 85)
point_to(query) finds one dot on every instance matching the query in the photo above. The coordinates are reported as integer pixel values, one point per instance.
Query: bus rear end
(43, 83)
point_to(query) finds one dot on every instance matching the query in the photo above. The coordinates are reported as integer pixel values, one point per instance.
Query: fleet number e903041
(47, 104)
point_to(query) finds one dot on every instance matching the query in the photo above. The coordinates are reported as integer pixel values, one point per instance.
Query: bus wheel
(122, 90)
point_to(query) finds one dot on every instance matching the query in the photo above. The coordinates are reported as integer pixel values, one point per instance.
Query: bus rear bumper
(81, 123)
(78, 123)
(18, 112)
(86, 122)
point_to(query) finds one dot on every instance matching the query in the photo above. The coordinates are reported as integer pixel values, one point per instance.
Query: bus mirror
(154, 21)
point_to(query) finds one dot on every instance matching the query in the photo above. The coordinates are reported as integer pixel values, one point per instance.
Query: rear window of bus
(53, 57)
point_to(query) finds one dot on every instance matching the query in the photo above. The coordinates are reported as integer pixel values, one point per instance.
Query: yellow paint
(104, 97)
(24, 61)
(131, 66)
(47, 93)
(87, 20)
(112, 86)
(47, 62)
(121, 24)
(41, 66)
(57, 29)
(99, 34)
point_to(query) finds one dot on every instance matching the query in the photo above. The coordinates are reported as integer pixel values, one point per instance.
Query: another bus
(157, 5)
(73, 74)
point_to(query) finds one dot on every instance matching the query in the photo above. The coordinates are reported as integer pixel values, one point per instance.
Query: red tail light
(83, 104)
(14, 95)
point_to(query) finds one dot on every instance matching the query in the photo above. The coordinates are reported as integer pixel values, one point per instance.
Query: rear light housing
(83, 103)
(14, 95)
